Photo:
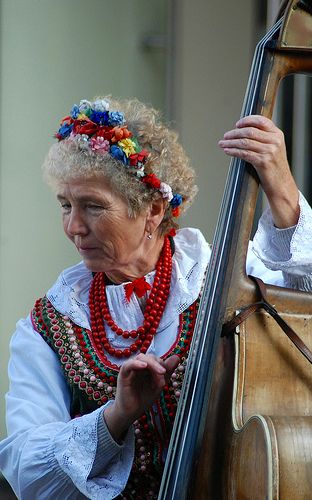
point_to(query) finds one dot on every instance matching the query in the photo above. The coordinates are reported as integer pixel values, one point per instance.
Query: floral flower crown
(104, 132)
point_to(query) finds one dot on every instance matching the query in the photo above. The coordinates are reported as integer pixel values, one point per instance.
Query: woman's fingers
(155, 370)
(258, 121)
(250, 133)
(139, 384)
(152, 369)
(258, 141)
(153, 362)
(171, 363)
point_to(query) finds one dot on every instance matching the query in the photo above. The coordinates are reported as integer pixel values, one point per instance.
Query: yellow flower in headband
(128, 146)
(82, 116)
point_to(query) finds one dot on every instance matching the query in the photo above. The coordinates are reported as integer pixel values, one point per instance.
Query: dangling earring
(149, 236)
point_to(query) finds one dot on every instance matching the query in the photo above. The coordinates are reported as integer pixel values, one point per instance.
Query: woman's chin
(93, 265)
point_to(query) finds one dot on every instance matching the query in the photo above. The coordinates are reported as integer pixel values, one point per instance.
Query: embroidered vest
(92, 383)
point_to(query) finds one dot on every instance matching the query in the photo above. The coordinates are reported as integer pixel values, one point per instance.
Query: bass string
(226, 213)
(175, 469)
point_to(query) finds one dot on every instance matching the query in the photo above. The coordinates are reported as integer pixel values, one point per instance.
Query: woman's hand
(258, 141)
(139, 384)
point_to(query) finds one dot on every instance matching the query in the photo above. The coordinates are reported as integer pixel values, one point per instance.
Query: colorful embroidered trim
(96, 384)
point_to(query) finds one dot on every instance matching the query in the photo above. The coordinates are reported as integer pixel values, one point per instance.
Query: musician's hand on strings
(139, 384)
(256, 140)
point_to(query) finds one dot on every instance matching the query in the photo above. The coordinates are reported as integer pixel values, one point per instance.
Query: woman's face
(96, 220)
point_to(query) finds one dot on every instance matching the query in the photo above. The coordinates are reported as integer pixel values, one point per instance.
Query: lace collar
(70, 293)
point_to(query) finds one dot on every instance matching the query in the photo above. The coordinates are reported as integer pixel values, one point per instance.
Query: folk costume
(58, 442)
(66, 355)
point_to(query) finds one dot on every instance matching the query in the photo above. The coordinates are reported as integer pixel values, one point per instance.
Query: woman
(96, 369)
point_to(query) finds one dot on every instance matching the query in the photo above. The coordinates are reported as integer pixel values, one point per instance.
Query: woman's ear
(155, 214)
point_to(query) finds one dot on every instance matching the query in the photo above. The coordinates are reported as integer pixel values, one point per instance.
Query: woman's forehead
(84, 185)
(95, 187)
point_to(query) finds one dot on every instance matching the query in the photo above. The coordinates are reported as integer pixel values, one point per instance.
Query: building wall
(214, 48)
(55, 52)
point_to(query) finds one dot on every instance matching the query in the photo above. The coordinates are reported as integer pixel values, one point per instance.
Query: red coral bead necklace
(155, 305)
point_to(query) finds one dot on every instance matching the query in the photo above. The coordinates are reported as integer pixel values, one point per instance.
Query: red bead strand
(155, 306)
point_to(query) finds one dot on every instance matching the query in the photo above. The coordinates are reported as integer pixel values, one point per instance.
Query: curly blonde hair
(167, 160)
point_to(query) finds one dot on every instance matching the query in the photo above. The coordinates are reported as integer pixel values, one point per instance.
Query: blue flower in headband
(74, 112)
(65, 130)
(99, 117)
(118, 154)
(176, 200)
(116, 118)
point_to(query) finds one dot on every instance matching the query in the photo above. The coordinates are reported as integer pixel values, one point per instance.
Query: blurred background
(190, 59)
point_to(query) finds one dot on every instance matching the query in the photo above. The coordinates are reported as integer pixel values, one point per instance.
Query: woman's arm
(283, 240)
(287, 251)
(140, 381)
(46, 453)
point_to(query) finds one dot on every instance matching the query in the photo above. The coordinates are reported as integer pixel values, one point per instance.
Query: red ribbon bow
(138, 286)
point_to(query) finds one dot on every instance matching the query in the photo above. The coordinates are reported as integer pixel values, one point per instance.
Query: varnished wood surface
(258, 432)
(252, 438)
(272, 377)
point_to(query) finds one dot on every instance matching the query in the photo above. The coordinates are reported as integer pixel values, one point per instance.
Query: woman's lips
(86, 249)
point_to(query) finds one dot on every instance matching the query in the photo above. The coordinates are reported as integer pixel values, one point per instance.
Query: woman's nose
(76, 224)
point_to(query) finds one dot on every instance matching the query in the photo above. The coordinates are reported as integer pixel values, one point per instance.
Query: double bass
(243, 428)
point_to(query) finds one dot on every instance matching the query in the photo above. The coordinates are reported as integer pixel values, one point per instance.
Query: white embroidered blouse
(46, 454)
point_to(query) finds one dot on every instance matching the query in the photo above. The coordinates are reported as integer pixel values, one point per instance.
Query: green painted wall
(53, 53)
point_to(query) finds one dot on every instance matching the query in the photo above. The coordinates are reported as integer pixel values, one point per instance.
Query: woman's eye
(94, 207)
(65, 207)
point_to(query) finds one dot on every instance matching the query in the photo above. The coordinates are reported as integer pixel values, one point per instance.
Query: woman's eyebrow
(84, 198)
(60, 197)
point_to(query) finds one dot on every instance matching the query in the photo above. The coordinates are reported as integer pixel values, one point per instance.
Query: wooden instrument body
(244, 424)
(258, 436)
(257, 441)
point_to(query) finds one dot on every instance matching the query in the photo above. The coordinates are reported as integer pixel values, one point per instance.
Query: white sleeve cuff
(108, 449)
(288, 250)
(78, 450)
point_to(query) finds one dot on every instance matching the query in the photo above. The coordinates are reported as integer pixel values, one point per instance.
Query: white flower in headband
(166, 191)
(84, 106)
(83, 141)
(101, 105)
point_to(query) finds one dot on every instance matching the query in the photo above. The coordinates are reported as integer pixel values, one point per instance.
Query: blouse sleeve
(286, 253)
(47, 454)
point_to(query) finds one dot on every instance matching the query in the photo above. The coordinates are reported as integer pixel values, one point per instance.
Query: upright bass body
(258, 437)
(244, 426)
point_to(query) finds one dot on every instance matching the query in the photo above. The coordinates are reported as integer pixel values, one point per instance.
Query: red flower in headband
(176, 212)
(142, 155)
(106, 132)
(136, 158)
(86, 127)
(133, 160)
(67, 119)
(152, 181)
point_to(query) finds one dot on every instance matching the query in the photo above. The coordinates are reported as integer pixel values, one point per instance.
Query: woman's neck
(144, 264)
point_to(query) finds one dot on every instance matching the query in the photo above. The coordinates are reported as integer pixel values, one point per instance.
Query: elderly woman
(96, 369)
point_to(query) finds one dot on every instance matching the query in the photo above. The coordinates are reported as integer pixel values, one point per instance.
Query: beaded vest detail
(92, 383)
